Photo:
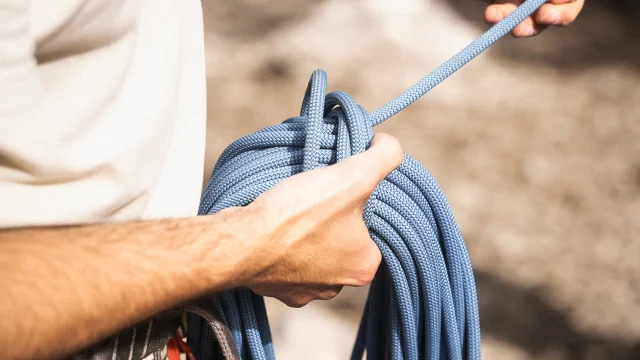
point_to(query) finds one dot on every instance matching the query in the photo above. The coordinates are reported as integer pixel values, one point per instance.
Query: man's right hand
(302, 240)
(314, 240)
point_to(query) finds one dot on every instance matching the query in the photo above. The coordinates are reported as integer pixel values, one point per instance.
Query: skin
(302, 240)
(554, 13)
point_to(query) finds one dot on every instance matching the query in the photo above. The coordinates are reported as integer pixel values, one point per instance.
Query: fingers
(560, 12)
(527, 28)
(502, 8)
(298, 297)
(499, 10)
(556, 12)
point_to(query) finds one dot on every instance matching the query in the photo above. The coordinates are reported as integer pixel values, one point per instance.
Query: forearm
(65, 288)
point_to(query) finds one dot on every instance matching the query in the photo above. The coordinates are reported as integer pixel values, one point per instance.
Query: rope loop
(337, 109)
(424, 293)
(422, 303)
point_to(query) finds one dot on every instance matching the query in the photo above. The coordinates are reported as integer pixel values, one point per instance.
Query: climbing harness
(422, 303)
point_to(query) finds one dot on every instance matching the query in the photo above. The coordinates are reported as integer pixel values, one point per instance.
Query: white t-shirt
(102, 110)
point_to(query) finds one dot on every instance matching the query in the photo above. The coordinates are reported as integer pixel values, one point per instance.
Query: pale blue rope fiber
(422, 303)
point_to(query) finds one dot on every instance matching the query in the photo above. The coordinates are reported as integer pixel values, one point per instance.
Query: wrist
(235, 244)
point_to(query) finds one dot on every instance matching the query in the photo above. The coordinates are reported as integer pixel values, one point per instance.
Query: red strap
(175, 345)
(173, 351)
(185, 348)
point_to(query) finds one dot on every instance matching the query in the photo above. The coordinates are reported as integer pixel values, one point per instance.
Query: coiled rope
(422, 303)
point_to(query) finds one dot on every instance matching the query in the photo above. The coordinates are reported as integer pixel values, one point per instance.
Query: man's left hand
(554, 13)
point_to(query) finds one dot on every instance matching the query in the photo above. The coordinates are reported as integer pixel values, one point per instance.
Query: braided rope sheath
(422, 303)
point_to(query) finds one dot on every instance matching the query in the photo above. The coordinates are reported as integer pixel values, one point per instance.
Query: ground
(535, 144)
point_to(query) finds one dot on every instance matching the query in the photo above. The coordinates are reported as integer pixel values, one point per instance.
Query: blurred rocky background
(536, 145)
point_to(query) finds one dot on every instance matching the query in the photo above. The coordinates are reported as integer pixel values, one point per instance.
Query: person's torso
(102, 110)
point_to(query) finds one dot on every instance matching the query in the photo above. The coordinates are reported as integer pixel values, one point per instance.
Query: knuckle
(369, 269)
(365, 278)
(298, 304)
(329, 294)
(568, 20)
(369, 275)
(374, 259)
(368, 261)
(295, 302)
(376, 255)
(259, 291)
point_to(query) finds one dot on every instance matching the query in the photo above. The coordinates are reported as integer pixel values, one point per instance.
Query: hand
(556, 12)
(316, 239)
(302, 240)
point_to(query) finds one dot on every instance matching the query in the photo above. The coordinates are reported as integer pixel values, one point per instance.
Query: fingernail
(552, 17)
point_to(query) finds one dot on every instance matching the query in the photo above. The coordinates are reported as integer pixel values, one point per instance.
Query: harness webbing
(422, 303)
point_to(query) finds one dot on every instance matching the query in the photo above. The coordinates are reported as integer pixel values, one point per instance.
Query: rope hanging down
(422, 303)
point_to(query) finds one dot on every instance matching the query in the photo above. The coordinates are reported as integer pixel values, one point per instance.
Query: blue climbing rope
(422, 303)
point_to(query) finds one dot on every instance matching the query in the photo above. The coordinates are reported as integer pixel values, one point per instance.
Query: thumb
(371, 167)
(384, 155)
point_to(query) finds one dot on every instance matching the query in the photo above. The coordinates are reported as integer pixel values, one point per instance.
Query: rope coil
(422, 303)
